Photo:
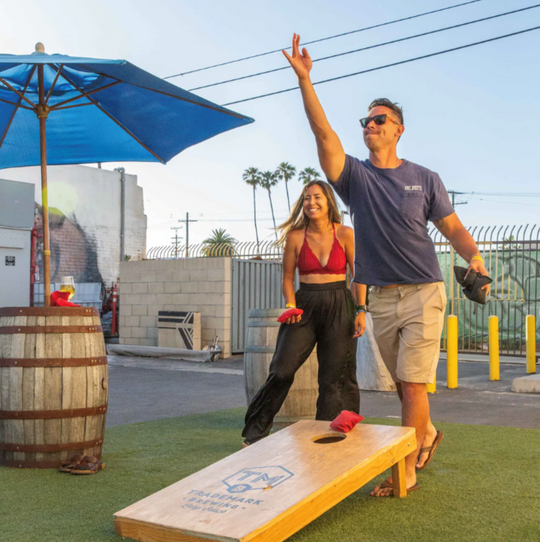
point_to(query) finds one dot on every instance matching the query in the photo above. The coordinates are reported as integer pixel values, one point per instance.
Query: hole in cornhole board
(329, 438)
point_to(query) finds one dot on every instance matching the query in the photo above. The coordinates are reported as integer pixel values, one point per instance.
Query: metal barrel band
(53, 362)
(49, 311)
(11, 330)
(32, 464)
(52, 414)
(50, 448)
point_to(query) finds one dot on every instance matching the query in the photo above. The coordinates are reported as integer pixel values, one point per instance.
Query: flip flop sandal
(89, 467)
(69, 464)
(431, 449)
(386, 484)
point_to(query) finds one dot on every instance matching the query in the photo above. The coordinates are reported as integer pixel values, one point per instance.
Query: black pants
(328, 321)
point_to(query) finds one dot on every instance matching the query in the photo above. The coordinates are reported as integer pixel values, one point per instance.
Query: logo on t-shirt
(413, 187)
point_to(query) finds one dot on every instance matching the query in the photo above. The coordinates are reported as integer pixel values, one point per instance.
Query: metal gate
(254, 285)
(512, 257)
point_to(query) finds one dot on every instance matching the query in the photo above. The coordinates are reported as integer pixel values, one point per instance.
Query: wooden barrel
(53, 385)
(301, 403)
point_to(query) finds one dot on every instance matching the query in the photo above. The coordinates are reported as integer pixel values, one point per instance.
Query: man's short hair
(385, 102)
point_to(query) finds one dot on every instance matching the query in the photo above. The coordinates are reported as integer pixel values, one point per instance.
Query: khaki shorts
(407, 323)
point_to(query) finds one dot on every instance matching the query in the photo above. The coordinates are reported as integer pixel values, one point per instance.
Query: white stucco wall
(90, 197)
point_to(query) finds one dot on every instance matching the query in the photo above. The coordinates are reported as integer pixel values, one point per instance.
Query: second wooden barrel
(301, 403)
(53, 385)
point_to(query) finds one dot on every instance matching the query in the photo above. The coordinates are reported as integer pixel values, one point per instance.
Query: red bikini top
(309, 264)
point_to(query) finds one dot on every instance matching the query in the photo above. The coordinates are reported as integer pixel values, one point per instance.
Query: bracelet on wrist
(290, 306)
(360, 308)
(477, 258)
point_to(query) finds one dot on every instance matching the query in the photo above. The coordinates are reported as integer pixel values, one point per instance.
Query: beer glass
(67, 285)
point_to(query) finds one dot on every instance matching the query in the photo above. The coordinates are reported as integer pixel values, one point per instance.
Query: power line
(508, 202)
(239, 219)
(369, 47)
(505, 194)
(386, 65)
(325, 39)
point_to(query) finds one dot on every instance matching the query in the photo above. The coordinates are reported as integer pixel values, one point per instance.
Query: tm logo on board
(256, 478)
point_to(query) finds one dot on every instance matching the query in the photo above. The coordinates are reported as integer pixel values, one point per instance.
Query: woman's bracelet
(477, 258)
(290, 306)
(360, 308)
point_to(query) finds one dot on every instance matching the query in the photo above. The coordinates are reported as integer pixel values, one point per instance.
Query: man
(391, 201)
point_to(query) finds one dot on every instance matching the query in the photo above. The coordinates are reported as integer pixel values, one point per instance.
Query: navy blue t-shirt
(390, 209)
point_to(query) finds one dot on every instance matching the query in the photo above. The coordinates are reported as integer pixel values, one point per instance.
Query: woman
(316, 243)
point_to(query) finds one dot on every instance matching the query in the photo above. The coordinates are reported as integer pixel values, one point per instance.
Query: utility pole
(454, 203)
(175, 238)
(454, 193)
(187, 221)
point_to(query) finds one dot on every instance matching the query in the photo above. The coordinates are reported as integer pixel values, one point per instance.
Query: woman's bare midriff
(321, 279)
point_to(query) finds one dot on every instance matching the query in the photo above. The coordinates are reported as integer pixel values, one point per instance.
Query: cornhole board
(271, 489)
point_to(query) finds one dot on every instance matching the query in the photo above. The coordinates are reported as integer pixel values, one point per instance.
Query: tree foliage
(219, 244)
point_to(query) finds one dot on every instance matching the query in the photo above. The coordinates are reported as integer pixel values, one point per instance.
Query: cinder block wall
(196, 284)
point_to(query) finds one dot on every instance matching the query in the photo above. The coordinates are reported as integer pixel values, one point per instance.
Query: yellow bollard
(432, 388)
(452, 352)
(530, 337)
(493, 326)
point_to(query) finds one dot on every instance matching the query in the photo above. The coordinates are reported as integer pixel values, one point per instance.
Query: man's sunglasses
(379, 120)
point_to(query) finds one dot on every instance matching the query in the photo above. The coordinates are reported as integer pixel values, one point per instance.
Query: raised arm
(331, 153)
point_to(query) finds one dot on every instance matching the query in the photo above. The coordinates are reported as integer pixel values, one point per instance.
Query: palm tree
(220, 244)
(285, 172)
(309, 174)
(252, 176)
(269, 179)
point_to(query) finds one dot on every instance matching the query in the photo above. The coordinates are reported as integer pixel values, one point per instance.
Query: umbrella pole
(42, 111)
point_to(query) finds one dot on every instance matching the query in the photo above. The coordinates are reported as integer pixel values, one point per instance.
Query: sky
(470, 115)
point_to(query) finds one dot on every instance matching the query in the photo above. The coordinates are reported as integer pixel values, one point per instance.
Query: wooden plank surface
(39, 389)
(53, 386)
(16, 386)
(270, 490)
(29, 383)
(67, 389)
(79, 382)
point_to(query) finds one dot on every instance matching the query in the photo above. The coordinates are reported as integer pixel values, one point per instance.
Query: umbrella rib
(17, 92)
(114, 120)
(85, 95)
(72, 106)
(17, 106)
(54, 83)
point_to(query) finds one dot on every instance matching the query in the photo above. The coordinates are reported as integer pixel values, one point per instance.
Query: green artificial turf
(483, 485)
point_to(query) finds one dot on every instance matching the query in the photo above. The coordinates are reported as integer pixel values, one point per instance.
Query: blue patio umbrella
(57, 109)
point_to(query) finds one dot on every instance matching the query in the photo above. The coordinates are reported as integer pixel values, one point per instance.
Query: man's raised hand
(301, 62)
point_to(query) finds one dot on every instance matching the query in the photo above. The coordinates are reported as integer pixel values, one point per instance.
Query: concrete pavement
(143, 389)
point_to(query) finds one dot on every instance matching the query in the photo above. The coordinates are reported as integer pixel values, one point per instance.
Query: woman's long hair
(298, 220)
